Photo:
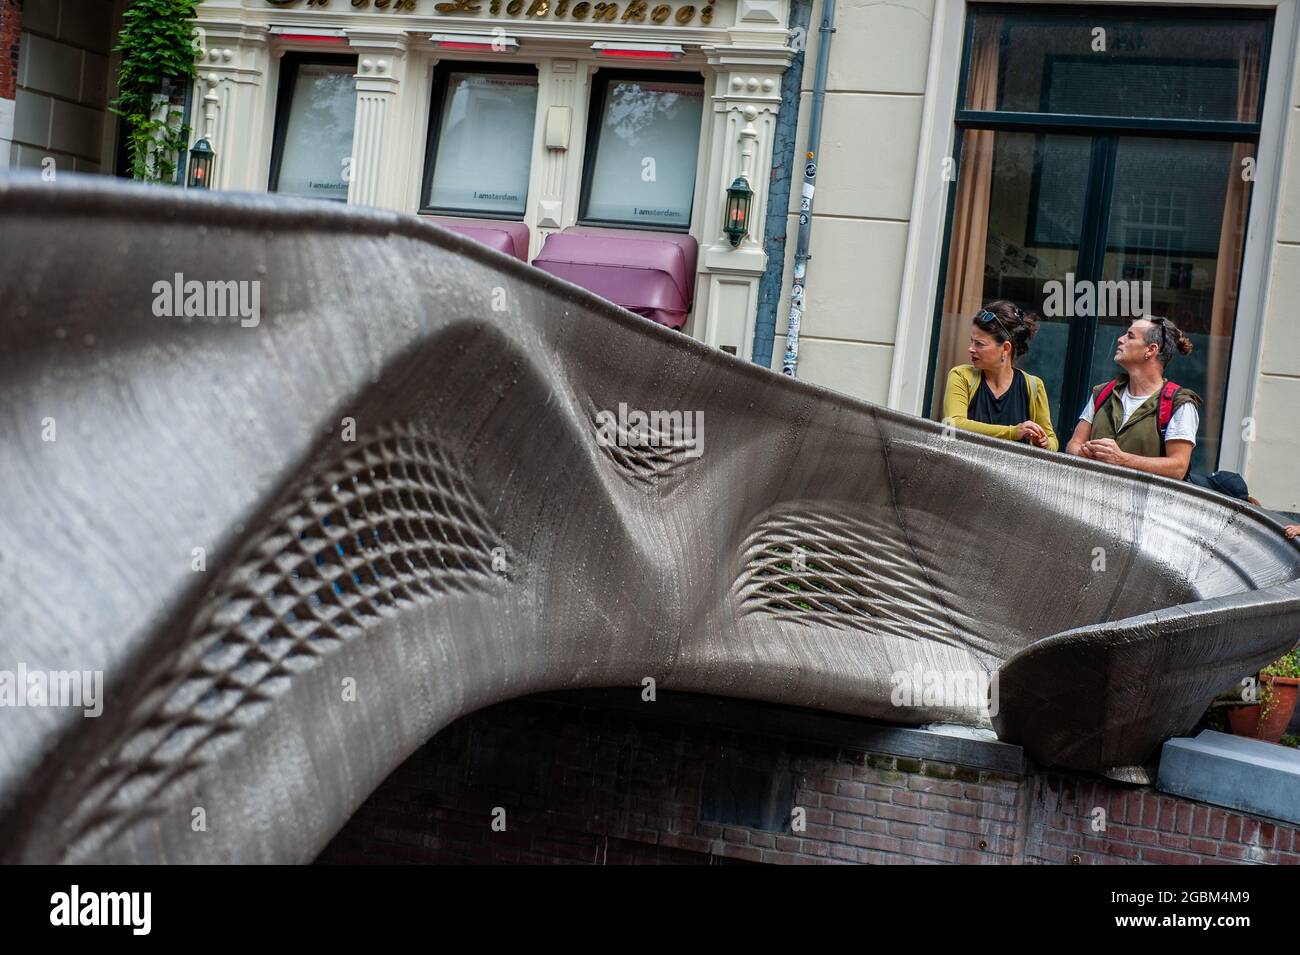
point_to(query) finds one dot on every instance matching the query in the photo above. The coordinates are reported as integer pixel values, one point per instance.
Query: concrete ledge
(1235, 772)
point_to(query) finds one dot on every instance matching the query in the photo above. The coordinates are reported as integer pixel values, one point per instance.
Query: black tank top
(1011, 408)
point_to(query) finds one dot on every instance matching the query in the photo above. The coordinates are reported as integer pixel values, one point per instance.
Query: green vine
(157, 46)
(1287, 666)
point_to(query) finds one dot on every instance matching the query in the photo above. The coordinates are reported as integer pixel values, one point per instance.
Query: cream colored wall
(64, 85)
(1273, 457)
(871, 125)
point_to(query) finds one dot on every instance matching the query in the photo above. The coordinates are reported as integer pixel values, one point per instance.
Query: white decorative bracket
(210, 103)
(748, 141)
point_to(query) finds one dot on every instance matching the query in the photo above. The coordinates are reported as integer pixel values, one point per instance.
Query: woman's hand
(1032, 431)
(1292, 531)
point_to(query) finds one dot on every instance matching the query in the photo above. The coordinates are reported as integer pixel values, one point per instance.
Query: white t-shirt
(1182, 426)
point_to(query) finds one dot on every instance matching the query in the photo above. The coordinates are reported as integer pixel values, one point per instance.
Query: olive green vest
(1140, 435)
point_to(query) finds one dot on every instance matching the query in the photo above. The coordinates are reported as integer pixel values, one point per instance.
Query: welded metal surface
(476, 542)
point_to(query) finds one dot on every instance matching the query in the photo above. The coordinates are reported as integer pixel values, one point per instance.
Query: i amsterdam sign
(633, 11)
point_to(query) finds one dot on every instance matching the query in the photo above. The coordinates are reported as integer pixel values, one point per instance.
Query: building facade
(528, 118)
(968, 152)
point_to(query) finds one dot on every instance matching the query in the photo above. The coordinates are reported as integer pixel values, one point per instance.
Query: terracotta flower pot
(1285, 689)
(1244, 721)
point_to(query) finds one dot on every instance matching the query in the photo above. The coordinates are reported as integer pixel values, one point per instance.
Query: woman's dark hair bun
(1032, 321)
(1013, 321)
(1184, 344)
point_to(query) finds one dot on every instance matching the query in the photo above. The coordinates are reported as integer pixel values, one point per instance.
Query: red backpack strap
(1165, 410)
(1102, 395)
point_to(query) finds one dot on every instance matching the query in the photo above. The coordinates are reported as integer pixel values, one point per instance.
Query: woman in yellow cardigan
(991, 395)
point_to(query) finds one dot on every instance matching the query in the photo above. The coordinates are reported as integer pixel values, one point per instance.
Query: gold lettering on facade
(602, 11)
(395, 5)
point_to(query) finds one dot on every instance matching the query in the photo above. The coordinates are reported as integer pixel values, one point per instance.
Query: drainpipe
(791, 360)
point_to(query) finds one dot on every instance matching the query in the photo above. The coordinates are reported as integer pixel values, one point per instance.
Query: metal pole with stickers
(790, 362)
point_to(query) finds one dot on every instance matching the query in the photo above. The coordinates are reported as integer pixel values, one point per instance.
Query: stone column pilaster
(232, 64)
(381, 61)
(745, 102)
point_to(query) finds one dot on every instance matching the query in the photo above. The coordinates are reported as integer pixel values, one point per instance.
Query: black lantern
(201, 156)
(738, 196)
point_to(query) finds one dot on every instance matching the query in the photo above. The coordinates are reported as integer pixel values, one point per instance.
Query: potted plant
(1279, 683)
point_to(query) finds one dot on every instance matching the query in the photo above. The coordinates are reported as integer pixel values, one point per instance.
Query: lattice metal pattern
(392, 522)
(816, 564)
(647, 454)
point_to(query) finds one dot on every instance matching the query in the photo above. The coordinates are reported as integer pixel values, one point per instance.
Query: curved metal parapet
(298, 543)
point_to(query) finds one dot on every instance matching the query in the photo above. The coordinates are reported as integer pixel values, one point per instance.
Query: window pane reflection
(646, 153)
(318, 136)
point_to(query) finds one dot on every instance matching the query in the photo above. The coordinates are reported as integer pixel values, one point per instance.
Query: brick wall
(11, 28)
(582, 785)
(1143, 826)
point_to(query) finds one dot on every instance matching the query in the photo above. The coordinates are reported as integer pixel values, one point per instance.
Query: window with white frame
(315, 116)
(643, 144)
(480, 140)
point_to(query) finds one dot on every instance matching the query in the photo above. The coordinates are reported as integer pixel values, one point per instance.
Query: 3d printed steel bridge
(297, 549)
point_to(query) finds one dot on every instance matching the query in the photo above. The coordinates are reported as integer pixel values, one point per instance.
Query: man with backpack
(1141, 420)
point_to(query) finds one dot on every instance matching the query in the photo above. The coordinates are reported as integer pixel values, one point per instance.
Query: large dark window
(480, 140)
(1131, 63)
(643, 145)
(1103, 146)
(314, 118)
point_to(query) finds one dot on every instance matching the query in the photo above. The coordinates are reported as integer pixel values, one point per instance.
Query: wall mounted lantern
(201, 156)
(737, 218)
